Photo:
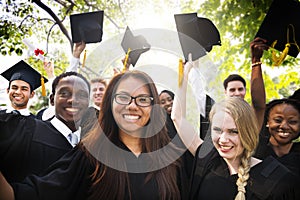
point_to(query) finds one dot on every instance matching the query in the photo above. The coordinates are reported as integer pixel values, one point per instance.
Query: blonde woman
(224, 167)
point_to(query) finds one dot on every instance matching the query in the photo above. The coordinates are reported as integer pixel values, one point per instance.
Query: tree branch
(56, 19)
(121, 10)
(65, 5)
(108, 17)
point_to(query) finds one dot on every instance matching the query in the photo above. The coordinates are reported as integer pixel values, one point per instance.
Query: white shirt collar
(24, 111)
(48, 113)
(63, 129)
(95, 106)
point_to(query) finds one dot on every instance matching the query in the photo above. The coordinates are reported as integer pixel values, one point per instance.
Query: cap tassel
(180, 72)
(277, 60)
(126, 60)
(43, 87)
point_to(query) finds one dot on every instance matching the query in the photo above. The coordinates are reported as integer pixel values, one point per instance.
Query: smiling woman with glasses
(128, 155)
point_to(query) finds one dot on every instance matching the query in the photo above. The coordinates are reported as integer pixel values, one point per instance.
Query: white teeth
(131, 117)
(283, 134)
(225, 147)
(72, 109)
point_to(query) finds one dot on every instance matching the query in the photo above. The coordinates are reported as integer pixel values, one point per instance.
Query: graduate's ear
(32, 94)
(52, 99)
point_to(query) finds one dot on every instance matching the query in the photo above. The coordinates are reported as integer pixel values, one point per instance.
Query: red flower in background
(38, 51)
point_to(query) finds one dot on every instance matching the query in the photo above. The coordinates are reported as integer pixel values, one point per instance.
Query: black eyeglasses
(142, 101)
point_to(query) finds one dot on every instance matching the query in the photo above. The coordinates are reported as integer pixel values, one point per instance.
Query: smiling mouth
(18, 98)
(283, 134)
(225, 148)
(72, 110)
(131, 117)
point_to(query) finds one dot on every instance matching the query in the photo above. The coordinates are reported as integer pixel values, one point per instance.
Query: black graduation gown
(187, 157)
(290, 160)
(268, 180)
(204, 121)
(89, 119)
(40, 113)
(30, 115)
(28, 146)
(69, 178)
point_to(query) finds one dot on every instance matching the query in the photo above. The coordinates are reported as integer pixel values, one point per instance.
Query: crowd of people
(135, 143)
(232, 158)
(123, 139)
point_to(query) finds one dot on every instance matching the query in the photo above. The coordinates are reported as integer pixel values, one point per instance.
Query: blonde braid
(243, 175)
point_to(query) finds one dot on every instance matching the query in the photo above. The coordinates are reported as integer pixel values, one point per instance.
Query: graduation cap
(87, 27)
(137, 45)
(282, 26)
(195, 32)
(23, 71)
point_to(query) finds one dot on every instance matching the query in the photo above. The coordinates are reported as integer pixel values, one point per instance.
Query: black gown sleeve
(15, 139)
(270, 180)
(68, 178)
(28, 146)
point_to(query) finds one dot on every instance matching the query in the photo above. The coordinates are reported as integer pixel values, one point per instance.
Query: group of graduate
(129, 152)
(136, 143)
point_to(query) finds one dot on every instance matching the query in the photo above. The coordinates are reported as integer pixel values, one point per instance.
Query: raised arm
(74, 62)
(185, 130)
(257, 87)
(49, 68)
(125, 66)
(6, 191)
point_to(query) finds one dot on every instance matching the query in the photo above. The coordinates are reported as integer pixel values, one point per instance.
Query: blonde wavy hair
(247, 125)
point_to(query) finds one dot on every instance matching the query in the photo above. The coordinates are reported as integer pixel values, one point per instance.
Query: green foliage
(12, 30)
(238, 22)
(43, 102)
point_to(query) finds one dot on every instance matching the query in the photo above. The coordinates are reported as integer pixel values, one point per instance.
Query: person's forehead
(73, 81)
(97, 84)
(164, 95)
(132, 84)
(235, 83)
(284, 108)
(223, 119)
(19, 83)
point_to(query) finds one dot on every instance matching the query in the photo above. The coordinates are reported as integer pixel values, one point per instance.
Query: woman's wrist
(256, 64)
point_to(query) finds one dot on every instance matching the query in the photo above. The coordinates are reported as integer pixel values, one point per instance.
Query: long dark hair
(109, 183)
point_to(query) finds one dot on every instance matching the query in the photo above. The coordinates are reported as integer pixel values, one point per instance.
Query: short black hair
(292, 102)
(233, 77)
(65, 74)
(168, 92)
